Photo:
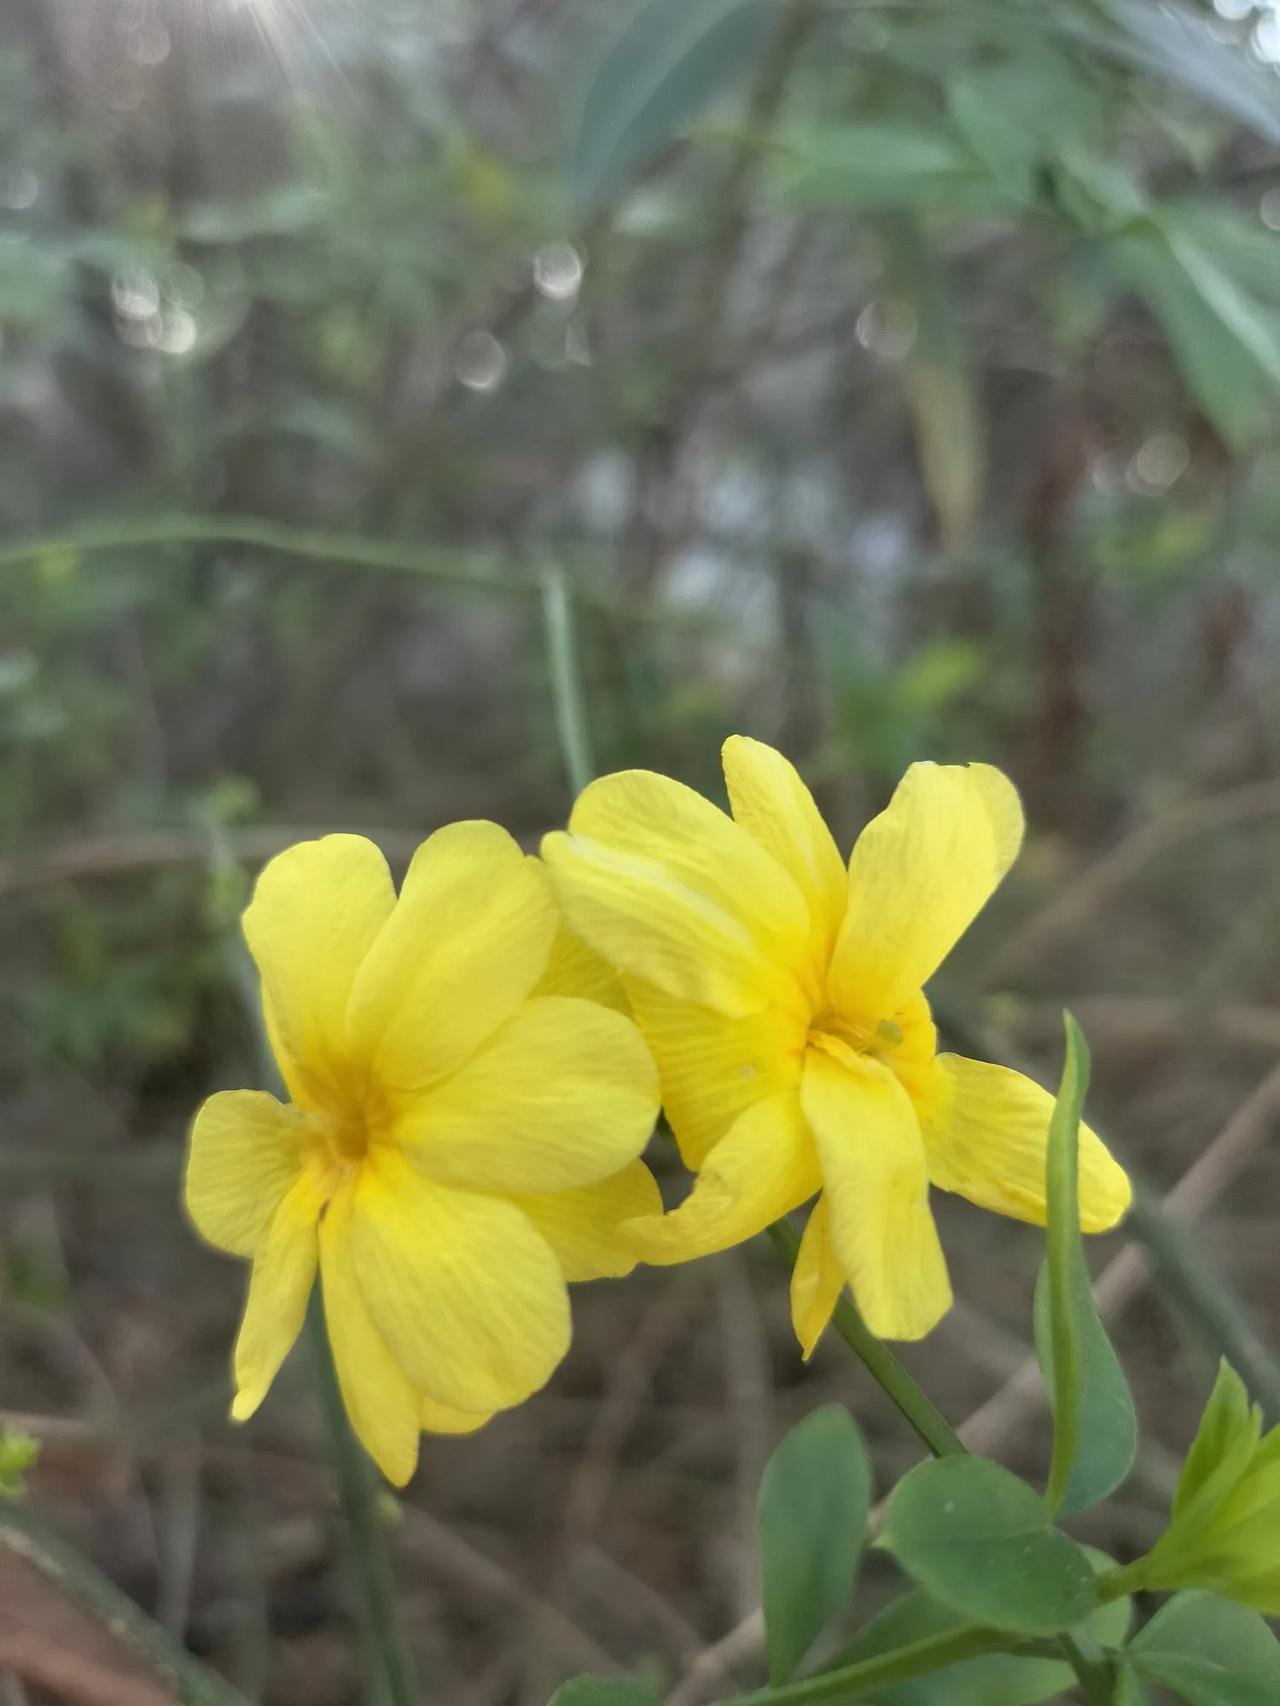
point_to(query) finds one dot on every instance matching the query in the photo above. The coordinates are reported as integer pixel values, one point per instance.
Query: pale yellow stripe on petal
(468, 1297)
(986, 1131)
(773, 805)
(816, 1280)
(384, 1407)
(564, 1094)
(713, 1068)
(583, 1226)
(760, 1170)
(440, 1419)
(469, 938)
(642, 919)
(315, 912)
(244, 1154)
(877, 1195)
(284, 1271)
(919, 875)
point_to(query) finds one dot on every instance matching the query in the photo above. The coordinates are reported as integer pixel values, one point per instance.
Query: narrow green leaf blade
(815, 1497)
(669, 62)
(981, 1541)
(1095, 1434)
(603, 1691)
(1209, 1652)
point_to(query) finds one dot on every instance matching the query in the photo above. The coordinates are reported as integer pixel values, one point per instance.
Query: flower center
(853, 1031)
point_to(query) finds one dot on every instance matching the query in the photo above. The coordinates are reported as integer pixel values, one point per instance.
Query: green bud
(1224, 1528)
(18, 1452)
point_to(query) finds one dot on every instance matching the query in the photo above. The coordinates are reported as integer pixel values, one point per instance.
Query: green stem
(934, 1430)
(870, 1676)
(568, 698)
(470, 569)
(389, 1660)
(1090, 1666)
(23, 1534)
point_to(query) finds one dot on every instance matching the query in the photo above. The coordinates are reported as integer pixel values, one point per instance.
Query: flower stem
(920, 1411)
(871, 1676)
(389, 1664)
(1087, 1661)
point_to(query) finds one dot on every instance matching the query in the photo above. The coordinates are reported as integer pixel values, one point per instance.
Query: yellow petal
(772, 804)
(760, 1170)
(669, 888)
(877, 1194)
(713, 1068)
(315, 912)
(468, 940)
(564, 1094)
(577, 970)
(440, 1419)
(919, 875)
(467, 1295)
(582, 1226)
(284, 1271)
(384, 1407)
(816, 1280)
(986, 1129)
(245, 1153)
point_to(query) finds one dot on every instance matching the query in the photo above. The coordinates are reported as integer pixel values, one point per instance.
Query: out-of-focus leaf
(981, 1541)
(1176, 45)
(662, 69)
(883, 165)
(603, 1691)
(1095, 1435)
(1018, 115)
(1226, 344)
(815, 1495)
(995, 1679)
(1209, 1652)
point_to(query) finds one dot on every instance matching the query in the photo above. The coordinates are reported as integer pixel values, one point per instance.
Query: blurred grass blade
(663, 68)
(815, 1497)
(1095, 1433)
(1226, 344)
(941, 395)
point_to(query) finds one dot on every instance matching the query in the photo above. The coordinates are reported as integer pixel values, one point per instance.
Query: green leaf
(663, 68)
(995, 1679)
(603, 1691)
(882, 165)
(1224, 1444)
(981, 1541)
(1209, 1652)
(815, 1496)
(1095, 1434)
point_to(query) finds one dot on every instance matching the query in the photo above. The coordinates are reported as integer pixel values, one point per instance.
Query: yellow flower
(781, 996)
(456, 1145)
